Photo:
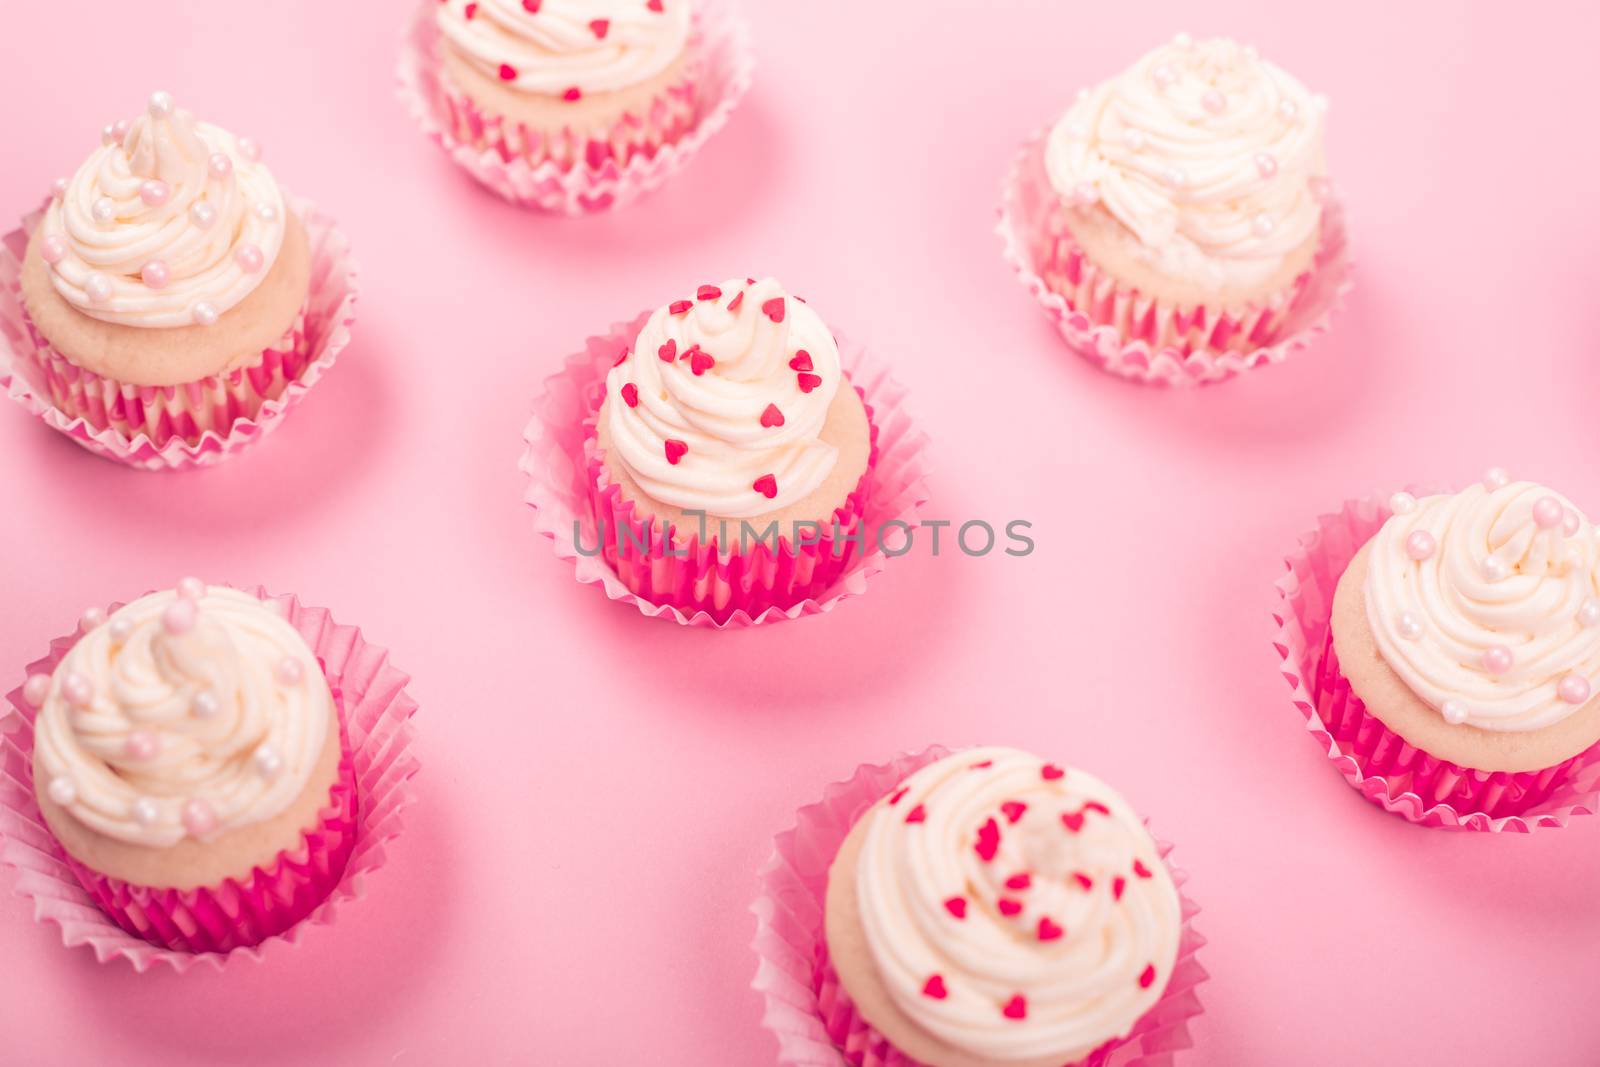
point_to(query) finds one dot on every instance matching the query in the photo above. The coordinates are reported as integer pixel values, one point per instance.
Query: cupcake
(1181, 207)
(166, 288)
(995, 908)
(189, 757)
(579, 88)
(1463, 654)
(730, 453)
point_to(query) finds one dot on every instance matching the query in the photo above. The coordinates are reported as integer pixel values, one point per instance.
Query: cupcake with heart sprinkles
(197, 766)
(573, 105)
(716, 460)
(1446, 648)
(171, 301)
(1177, 221)
(972, 909)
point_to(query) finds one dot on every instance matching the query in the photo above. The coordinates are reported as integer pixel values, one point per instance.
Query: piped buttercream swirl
(1486, 603)
(1014, 909)
(1205, 151)
(562, 47)
(171, 222)
(720, 404)
(182, 716)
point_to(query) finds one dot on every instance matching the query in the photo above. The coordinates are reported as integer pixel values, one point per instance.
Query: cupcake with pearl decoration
(573, 105)
(189, 757)
(1459, 671)
(1177, 220)
(730, 454)
(979, 908)
(167, 292)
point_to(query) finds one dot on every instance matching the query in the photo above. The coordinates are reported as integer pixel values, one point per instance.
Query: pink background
(598, 789)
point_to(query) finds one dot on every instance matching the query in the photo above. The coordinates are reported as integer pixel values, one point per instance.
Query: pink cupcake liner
(569, 493)
(700, 576)
(238, 914)
(807, 1009)
(301, 889)
(1136, 337)
(1379, 763)
(184, 426)
(576, 173)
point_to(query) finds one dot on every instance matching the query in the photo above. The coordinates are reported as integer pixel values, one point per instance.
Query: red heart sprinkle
(630, 393)
(572, 95)
(1013, 809)
(738, 299)
(508, 73)
(669, 351)
(957, 906)
(981, 766)
(1083, 879)
(774, 309)
(1140, 869)
(918, 813)
(1049, 931)
(708, 292)
(622, 358)
(675, 451)
(678, 307)
(471, 12)
(898, 793)
(809, 382)
(988, 840)
(1095, 805)
(935, 988)
(772, 416)
(700, 361)
(654, 5)
(1009, 907)
(1118, 884)
(1073, 820)
(600, 26)
(801, 361)
(1016, 1008)
(1051, 772)
(1019, 881)
(532, 6)
(1148, 977)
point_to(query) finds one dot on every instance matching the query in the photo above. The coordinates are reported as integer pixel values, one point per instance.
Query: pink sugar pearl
(35, 689)
(249, 258)
(179, 617)
(77, 689)
(155, 274)
(141, 745)
(198, 818)
(1497, 659)
(1548, 512)
(154, 193)
(52, 249)
(1574, 689)
(1420, 545)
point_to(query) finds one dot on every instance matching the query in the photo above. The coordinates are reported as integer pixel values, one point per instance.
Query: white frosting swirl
(1496, 582)
(149, 736)
(177, 252)
(552, 47)
(1205, 151)
(768, 352)
(1064, 903)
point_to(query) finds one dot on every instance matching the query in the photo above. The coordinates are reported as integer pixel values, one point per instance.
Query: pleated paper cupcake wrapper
(1149, 341)
(184, 426)
(570, 497)
(1376, 761)
(577, 172)
(378, 737)
(238, 914)
(806, 1007)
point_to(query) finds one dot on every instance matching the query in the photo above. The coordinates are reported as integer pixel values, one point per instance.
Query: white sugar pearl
(103, 209)
(203, 215)
(97, 287)
(1454, 712)
(62, 792)
(1496, 478)
(1495, 569)
(1589, 612)
(1263, 225)
(205, 313)
(267, 762)
(145, 812)
(205, 704)
(160, 104)
(1402, 503)
(1409, 625)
